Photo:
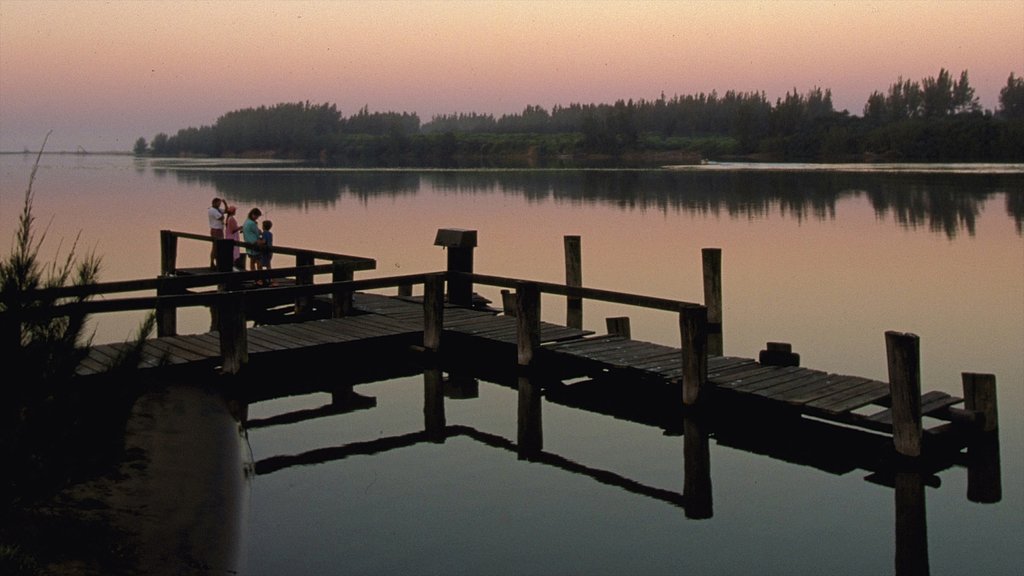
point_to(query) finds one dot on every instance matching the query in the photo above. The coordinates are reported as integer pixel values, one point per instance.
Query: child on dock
(265, 242)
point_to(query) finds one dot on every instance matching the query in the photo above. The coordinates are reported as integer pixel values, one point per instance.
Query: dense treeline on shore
(937, 119)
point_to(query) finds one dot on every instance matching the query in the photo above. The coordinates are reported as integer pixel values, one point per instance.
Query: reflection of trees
(946, 203)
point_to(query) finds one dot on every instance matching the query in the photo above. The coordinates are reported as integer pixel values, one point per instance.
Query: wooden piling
(904, 360)
(168, 253)
(341, 300)
(693, 332)
(712, 265)
(433, 311)
(225, 249)
(574, 278)
(234, 346)
(527, 321)
(618, 326)
(166, 315)
(980, 396)
(508, 302)
(460, 245)
(303, 278)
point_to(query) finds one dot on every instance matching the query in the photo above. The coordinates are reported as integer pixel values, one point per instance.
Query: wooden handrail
(358, 261)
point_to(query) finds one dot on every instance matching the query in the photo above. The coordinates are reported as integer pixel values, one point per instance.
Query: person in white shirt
(216, 217)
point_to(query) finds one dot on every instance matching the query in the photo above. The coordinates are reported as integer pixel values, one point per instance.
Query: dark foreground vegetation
(937, 119)
(55, 430)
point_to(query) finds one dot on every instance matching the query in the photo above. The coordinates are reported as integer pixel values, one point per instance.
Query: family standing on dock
(223, 224)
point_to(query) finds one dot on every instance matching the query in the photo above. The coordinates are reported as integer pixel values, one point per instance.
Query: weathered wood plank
(933, 401)
(867, 392)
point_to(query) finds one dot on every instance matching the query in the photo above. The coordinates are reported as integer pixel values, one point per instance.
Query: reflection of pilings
(984, 478)
(530, 431)
(433, 404)
(380, 445)
(911, 525)
(696, 469)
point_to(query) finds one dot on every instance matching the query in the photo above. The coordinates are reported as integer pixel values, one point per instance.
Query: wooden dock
(352, 316)
(382, 321)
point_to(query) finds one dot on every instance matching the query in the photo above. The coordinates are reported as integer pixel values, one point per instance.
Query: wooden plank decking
(832, 397)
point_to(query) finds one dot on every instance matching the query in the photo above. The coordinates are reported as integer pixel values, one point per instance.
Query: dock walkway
(381, 319)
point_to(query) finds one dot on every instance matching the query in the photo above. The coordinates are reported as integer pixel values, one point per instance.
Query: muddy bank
(175, 504)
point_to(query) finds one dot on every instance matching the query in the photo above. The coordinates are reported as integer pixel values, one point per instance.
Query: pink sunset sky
(102, 74)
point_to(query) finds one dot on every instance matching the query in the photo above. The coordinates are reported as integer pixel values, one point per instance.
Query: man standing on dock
(216, 217)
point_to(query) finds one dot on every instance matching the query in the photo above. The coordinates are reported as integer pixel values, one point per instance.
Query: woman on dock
(250, 235)
(231, 229)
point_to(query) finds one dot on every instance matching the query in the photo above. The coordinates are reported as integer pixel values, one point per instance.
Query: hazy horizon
(100, 75)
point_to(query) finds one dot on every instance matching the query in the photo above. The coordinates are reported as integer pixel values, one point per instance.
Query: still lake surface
(825, 257)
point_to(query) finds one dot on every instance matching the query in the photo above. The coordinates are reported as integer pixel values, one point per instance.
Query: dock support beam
(903, 351)
(168, 253)
(574, 278)
(341, 299)
(693, 332)
(712, 264)
(166, 315)
(433, 311)
(303, 278)
(234, 344)
(527, 321)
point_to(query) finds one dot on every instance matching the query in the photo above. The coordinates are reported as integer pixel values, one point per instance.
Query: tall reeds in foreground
(55, 430)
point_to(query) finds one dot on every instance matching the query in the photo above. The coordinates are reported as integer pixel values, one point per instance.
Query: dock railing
(229, 301)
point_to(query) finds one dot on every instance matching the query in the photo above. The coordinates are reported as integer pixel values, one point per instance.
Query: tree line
(935, 119)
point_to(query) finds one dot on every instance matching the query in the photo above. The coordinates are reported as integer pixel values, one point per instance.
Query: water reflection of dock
(837, 450)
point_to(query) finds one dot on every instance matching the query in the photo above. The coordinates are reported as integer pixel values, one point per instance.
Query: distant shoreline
(66, 153)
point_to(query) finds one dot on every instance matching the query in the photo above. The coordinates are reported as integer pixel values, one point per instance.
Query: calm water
(827, 258)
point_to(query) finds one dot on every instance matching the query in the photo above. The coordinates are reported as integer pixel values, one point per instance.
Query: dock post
(341, 300)
(618, 326)
(529, 423)
(527, 321)
(574, 278)
(433, 311)
(166, 315)
(234, 345)
(980, 396)
(712, 264)
(508, 302)
(168, 253)
(693, 332)
(460, 244)
(224, 248)
(903, 351)
(303, 278)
